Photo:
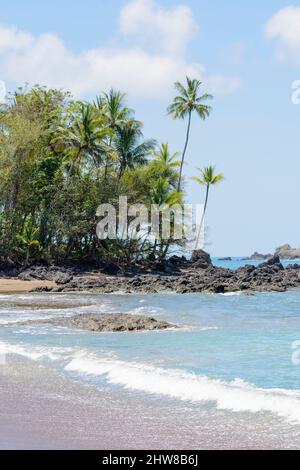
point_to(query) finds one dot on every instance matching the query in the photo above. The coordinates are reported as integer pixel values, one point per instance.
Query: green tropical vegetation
(61, 158)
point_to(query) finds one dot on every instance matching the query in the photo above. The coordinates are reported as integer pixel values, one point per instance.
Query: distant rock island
(283, 252)
(287, 252)
(258, 257)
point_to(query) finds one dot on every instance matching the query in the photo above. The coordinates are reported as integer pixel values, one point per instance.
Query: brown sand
(11, 286)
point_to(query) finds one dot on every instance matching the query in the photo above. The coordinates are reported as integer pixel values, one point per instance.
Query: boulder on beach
(201, 259)
(44, 273)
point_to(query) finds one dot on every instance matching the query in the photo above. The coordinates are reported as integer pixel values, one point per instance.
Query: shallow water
(232, 353)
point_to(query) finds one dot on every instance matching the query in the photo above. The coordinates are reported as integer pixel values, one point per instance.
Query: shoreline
(177, 276)
(17, 286)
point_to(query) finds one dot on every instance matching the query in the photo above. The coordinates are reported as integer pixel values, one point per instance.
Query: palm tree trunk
(202, 219)
(106, 162)
(184, 151)
(106, 168)
(123, 167)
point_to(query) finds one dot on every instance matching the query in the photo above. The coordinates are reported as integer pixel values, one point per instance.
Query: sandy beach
(11, 286)
(40, 410)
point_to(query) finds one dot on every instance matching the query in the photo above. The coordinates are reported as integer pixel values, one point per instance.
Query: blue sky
(246, 53)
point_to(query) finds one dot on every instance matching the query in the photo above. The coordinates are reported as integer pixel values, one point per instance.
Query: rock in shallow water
(112, 322)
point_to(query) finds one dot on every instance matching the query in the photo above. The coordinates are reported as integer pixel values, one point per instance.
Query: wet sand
(15, 286)
(40, 409)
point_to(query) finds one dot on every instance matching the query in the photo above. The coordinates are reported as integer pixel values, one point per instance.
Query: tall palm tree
(130, 148)
(188, 101)
(208, 178)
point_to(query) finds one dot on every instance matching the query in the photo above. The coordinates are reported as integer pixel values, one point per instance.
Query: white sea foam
(35, 353)
(232, 294)
(188, 329)
(237, 396)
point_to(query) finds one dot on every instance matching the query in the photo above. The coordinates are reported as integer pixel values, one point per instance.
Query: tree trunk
(202, 219)
(123, 167)
(184, 151)
(106, 161)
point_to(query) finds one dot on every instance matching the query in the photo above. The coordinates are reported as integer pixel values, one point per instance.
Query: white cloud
(284, 26)
(147, 66)
(167, 30)
(20, 39)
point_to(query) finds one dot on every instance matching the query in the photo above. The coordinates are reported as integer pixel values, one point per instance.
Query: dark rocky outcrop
(43, 273)
(112, 322)
(201, 259)
(176, 274)
(268, 276)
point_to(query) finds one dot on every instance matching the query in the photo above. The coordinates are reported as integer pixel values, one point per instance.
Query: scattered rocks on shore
(112, 322)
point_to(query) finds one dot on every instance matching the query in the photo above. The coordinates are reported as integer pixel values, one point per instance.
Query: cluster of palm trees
(106, 133)
(189, 101)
